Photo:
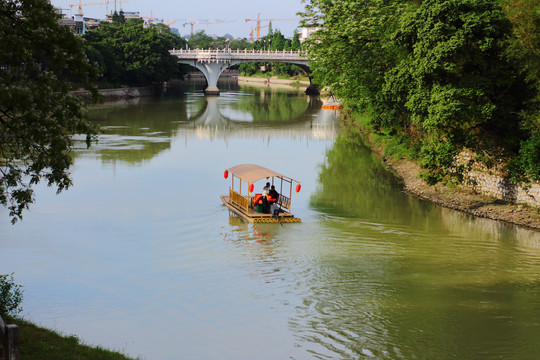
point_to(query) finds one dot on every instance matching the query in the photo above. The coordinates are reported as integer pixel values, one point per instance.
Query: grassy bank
(44, 344)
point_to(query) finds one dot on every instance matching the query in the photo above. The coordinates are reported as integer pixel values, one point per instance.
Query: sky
(201, 10)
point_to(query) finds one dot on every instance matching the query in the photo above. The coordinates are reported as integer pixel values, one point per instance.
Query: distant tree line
(436, 76)
(201, 40)
(274, 40)
(132, 53)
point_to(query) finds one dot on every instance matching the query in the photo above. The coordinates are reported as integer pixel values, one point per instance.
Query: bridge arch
(212, 63)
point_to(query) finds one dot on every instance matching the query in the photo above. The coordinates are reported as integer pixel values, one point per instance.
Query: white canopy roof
(251, 173)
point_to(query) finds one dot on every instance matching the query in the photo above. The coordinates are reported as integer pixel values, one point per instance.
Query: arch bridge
(212, 63)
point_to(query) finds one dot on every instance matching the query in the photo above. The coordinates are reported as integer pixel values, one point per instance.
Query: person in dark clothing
(274, 195)
(265, 205)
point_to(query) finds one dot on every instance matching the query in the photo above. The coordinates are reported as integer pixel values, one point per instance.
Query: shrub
(526, 166)
(10, 296)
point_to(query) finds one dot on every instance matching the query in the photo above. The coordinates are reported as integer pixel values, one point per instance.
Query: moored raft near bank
(257, 207)
(333, 106)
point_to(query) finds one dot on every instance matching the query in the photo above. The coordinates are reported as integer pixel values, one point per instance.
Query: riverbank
(39, 343)
(456, 198)
(273, 81)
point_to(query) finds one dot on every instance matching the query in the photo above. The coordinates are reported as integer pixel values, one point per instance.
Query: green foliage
(200, 40)
(295, 42)
(248, 69)
(437, 157)
(239, 44)
(525, 45)
(11, 296)
(39, 62)
(129, 53)
(118, 18)
(398, 147)
(274, 41)
(436, 71)
(352, 52)
(44, 344)
(526, 166)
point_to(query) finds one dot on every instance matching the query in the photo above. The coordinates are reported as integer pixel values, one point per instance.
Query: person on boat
(273, 195)
(265, 203)
(266, 188)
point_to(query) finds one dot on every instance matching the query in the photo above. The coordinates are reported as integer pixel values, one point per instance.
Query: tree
(352, 50)
(239, 44)
(295, 44)
(200, 40)
(525, 18)
(455, 81)
(131, 54)
(11, 296)
(118, 18)
(39, 63)
(436, 73)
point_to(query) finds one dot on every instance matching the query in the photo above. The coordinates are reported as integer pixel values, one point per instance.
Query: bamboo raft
(244, 206)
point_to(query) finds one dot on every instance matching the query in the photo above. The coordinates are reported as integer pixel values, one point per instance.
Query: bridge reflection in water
(216, 119)
(137, 130)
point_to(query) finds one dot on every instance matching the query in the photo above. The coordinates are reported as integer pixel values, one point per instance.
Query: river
(140, 255)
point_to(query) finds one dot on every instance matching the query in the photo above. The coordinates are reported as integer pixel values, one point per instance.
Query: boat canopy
(251, 173)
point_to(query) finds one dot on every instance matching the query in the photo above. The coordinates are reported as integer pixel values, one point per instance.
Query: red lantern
(226, 174)
(251, 187)
(298, 187)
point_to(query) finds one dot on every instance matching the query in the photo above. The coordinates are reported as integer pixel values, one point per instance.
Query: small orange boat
(334, 106)
(243, 204)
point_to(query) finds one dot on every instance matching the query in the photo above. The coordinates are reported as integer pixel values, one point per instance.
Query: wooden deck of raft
(253, 216)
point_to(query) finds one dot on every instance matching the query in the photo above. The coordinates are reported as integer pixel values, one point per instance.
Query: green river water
(140, 255)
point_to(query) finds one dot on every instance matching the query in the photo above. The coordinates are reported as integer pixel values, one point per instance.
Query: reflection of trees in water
(133, 133)
(136, 132)
(274, 106)
(266, 106)
(354, 182)
(398, 278)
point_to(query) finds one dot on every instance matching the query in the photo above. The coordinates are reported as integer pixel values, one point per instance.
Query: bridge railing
(228, 55)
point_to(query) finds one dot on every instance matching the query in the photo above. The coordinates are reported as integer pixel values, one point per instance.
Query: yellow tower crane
(80, 5)
(206, 22)
(259, 27)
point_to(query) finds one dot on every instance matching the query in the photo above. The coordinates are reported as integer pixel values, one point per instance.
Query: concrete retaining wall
(494, 182)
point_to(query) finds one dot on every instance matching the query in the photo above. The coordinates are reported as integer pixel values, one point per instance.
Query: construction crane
(151, 18)
(205, 22)
(251, 33)
(259, 27)
(80, 5)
